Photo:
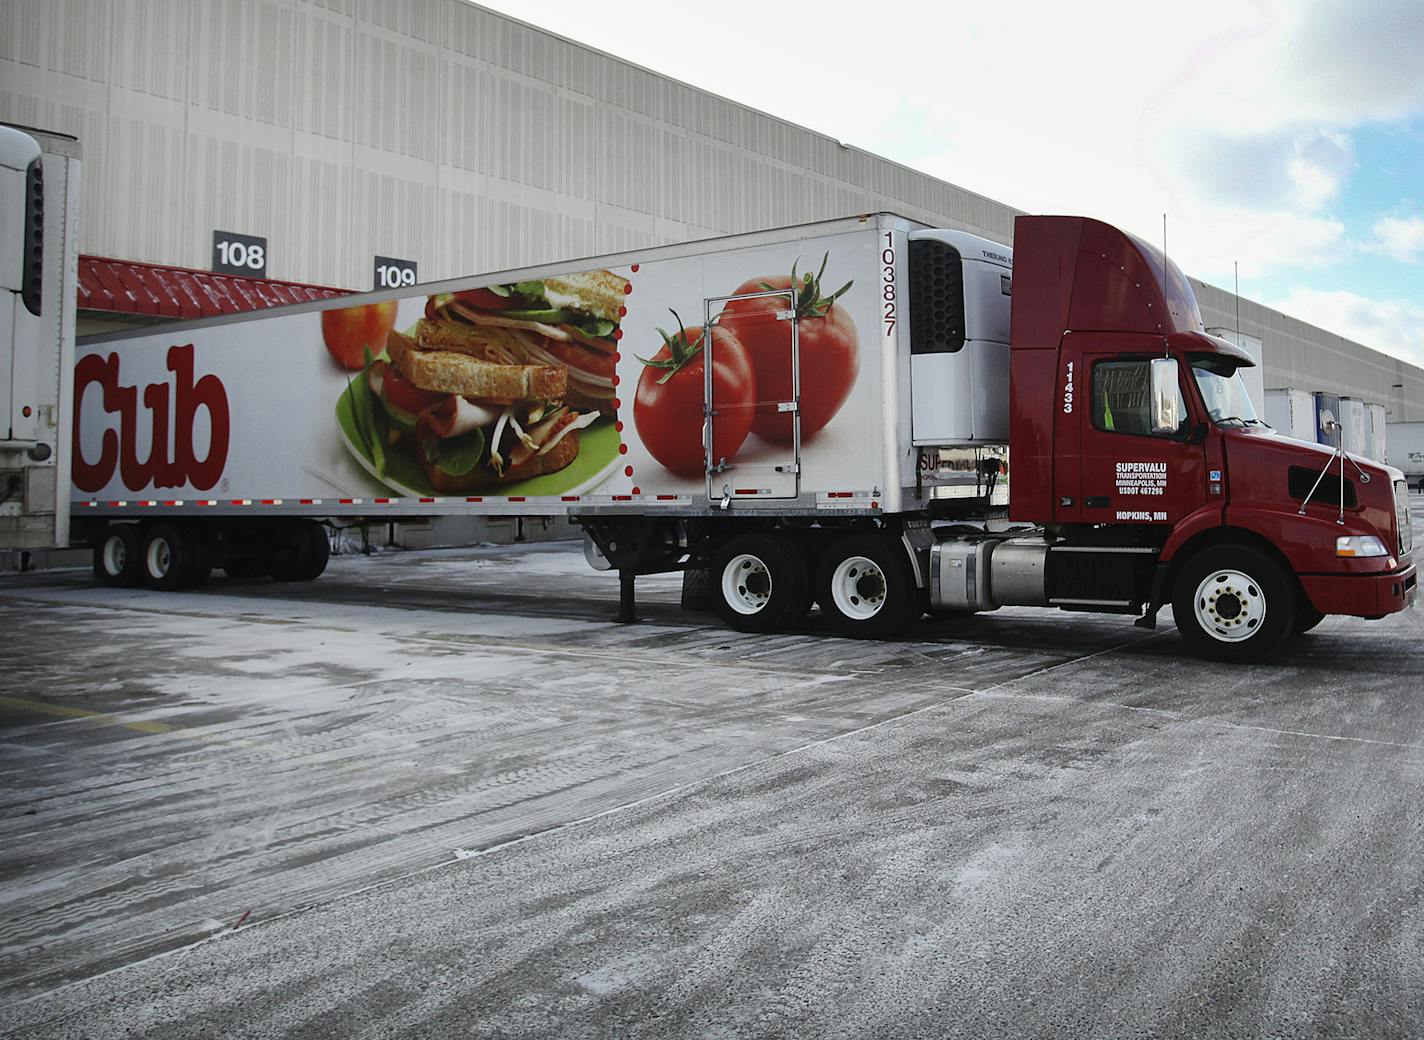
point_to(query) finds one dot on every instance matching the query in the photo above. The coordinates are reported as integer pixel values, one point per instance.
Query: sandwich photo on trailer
(506, 387)
(570, 321)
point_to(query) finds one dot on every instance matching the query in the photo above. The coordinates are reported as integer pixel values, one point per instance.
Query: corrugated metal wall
(436, 131)
(1308, 358)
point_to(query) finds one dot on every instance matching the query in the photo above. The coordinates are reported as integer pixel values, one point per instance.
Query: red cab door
(1126, 473)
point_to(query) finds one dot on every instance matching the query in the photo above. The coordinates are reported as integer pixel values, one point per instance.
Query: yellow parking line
(63, 711)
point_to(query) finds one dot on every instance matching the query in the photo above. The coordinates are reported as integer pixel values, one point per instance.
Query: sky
(1286, 138)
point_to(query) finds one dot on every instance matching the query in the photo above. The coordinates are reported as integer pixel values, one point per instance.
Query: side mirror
(1166, 400)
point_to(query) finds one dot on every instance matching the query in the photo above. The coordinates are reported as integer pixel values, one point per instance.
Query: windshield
(1224, 391)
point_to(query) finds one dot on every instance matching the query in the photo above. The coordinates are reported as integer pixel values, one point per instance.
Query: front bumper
(1363, 595)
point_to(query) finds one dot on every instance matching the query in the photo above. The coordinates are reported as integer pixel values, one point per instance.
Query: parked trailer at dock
(829, 414)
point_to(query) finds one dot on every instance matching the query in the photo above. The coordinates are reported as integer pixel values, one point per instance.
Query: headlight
(1359, 545)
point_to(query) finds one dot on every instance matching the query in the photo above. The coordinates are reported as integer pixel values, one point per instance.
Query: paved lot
(442, 794)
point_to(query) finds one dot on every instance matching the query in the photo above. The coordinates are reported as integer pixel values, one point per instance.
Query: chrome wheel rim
(746, 584)
(858, 587)
(1229, 606)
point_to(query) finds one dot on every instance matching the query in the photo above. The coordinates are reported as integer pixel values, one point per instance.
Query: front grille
(1401, 516)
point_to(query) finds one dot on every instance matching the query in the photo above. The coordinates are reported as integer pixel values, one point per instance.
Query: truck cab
(1132, 430)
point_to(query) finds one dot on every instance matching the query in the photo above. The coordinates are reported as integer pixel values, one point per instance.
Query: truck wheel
(1234, 603)
(1306, 616)
(167, 553)
(118, 556)
(865, 587)
(758, 580)
(320, 549)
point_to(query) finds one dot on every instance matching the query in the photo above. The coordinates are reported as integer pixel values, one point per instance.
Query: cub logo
(179, 401)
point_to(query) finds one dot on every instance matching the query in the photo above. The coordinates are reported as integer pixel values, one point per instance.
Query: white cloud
(1393, 326)
(1401, 238)
(1235, 119)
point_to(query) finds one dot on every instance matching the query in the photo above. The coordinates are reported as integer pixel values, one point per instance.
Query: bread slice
(499, 346)
(559, 456)
(599, 293)
(454, 372)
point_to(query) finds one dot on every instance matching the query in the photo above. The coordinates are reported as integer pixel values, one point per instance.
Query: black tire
(247, 567)
(118, 556)
(167, 555)
(320, 549)
(758, 580)
(808, 597)
(291, 556)
(1234, 603)
(866, 587)
(200, 563)
(1306, 616)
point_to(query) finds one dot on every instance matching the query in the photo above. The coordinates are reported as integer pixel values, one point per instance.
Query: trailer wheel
(200, 562)
(1234, 603)
(167, 555)
(246, 567)
(865, 587)
(118, 556)
(291, 553)
(808, 596)
(320, 549)
(758, 580)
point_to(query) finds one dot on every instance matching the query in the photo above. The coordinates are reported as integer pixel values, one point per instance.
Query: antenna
(1165, 351)
(1236, 270)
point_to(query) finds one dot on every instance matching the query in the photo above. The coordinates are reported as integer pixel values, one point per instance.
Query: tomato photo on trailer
(668, 407)
(828, 346)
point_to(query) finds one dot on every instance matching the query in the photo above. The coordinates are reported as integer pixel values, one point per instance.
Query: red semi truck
(868, 414)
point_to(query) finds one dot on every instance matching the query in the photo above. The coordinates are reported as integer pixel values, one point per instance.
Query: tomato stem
(809, 301)
(681, 353)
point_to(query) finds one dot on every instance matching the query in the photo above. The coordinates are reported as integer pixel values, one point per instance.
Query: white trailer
(1352, 425)
(39, 191)
(1254, 378)
(1406, 450)
(1375, 439)
(223, 442)
(1292, 412)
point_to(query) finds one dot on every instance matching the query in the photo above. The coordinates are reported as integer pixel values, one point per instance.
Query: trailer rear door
(768, 463)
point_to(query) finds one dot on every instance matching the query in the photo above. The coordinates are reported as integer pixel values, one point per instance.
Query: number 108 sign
(239, 254)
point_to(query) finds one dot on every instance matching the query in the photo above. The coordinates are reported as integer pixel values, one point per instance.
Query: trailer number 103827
(887, 285)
